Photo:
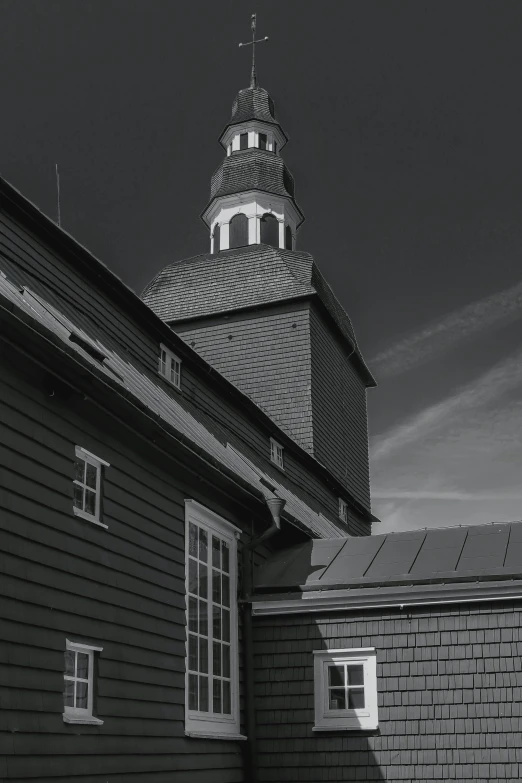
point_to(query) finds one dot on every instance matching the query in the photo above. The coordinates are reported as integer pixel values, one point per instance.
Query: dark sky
(405, 124)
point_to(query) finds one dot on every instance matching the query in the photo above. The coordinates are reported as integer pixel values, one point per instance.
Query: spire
(252, 43)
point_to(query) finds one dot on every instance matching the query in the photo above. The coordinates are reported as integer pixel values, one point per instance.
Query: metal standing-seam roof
(440, 555)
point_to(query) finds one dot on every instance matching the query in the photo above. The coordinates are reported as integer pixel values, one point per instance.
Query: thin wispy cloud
(491, 312)
(490, 386)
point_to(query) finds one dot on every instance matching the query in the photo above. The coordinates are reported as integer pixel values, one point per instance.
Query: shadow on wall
(288, 749)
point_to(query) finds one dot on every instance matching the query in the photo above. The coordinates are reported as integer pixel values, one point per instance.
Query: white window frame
(343, 510)
(206, 724)
(98, 463)
(277, 453)
(366, 719)
(80, 714)
(170, 366)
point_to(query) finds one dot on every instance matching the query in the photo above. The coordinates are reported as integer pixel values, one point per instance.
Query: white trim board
(389, 598)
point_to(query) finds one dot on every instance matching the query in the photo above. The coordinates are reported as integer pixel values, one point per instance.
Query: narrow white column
(281, 233)
(252, 140)
(252, 230)
(225, 236)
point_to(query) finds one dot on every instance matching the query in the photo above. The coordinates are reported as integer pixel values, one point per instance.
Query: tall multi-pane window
(87, 485)
(78, 694)
(170, 366)
(211, 624)
(277, 453)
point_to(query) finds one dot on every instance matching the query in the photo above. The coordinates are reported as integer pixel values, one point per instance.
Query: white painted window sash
(90, 459)
(82, 714)
(170, 366)
(206, 723)
(361, 719)
(277, 453)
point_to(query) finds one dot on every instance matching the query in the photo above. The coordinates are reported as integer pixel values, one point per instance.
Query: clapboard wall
(449, 693)
(121, 589)
(77, 285)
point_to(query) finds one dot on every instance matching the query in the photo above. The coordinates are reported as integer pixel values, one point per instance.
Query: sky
(405, 125)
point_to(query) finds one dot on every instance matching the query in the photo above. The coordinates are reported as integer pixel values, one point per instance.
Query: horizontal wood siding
(449, 689)
(121, 589)
(339, 411)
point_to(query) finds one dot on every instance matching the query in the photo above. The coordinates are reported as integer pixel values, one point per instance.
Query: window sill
(171, 384)
(209, 735)
(89, 517)
(88, 721)
(359, 727)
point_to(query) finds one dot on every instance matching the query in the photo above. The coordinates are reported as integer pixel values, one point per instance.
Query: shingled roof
(207, 285)
(253, 103)
(252, 169)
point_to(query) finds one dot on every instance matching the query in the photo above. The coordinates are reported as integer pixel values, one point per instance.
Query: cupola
(252, 194)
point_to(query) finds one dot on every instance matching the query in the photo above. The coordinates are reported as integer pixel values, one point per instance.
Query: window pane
(355, 675)
(226, 625)
(225, 566)
(69, 663)
(216, 552)
(90, 477)
(356, 699)
(262, 141)
(226, 698)
(68, 693)
(203, 618)
(337, 700)
(226, 591)
(216, 702)
(203, 580)
(81, 694)
(82, 665)
(203, 655)
(226, 660)
(193, 577)
(203, 545)
(336, 675)
(216, 659)
(216, 586)
(78, 497)
(243, 141)
(193, 537)
(193, 692)
(90, 502)
(203, 694)
(216, 622)
(193, 614)
(79, 470)
(193, 653)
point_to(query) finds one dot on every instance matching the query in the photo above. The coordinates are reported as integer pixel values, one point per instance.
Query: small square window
(276, 453)
(78, 692)
(170, 366)
(88, 486)
(343, 510)
(345, 685)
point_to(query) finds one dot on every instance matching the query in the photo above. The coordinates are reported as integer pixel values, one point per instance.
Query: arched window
(269, 230)
(288, 238)
(217, 238)
(239, 230)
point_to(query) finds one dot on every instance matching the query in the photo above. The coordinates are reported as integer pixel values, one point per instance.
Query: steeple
(252, 43)
(252, 194)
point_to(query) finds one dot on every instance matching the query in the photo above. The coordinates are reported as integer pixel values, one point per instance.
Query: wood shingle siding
(339, 411)
(449, 686)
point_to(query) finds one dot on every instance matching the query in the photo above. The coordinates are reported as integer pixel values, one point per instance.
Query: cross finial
(252, 43)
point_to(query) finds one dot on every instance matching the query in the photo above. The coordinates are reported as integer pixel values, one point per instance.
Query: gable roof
(441, 555)
(244, 278)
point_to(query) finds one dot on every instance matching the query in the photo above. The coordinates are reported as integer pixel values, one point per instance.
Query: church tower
(260, 311)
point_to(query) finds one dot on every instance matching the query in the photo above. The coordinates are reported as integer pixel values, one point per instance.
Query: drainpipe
(275, 506)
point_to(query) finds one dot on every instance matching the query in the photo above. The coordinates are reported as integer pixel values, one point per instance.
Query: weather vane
(252, 43)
